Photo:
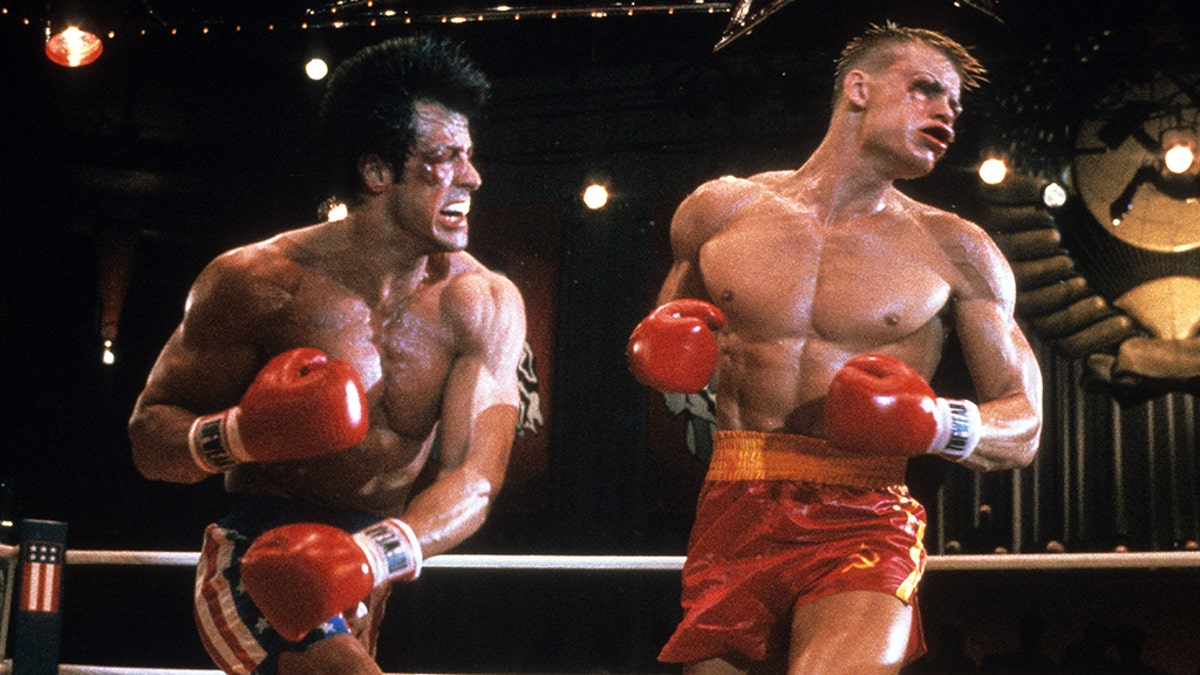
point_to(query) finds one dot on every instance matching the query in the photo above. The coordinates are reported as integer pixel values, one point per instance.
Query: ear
(854, 88)
(375, 173)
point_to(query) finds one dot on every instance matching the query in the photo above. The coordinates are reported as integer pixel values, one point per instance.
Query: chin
(452, 243)
(918, 167)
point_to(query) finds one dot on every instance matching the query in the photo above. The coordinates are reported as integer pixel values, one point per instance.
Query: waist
(252, 514)
(757, 455)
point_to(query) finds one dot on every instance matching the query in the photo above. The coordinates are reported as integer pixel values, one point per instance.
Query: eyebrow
(445, 152)
(931, 84)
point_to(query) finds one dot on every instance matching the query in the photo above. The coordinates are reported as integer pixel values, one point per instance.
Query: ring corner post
(37, 630)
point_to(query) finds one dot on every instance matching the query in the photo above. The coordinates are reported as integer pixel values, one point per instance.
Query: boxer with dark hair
(317, 370)
(822, 297)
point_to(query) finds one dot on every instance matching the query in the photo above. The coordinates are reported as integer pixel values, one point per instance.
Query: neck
(842, 181)
(379, 244)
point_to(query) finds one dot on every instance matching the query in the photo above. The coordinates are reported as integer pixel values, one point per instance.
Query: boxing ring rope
(1000, 562)
(587, 563)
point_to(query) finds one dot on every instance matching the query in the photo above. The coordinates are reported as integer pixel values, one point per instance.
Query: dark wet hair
(369, 103)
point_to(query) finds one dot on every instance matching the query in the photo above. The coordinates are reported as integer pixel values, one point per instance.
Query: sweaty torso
(801, 296)
(395, 334)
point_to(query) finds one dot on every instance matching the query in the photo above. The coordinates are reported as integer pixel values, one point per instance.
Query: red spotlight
(73, 47)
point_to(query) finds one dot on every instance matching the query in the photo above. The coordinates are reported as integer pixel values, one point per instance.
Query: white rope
(951, 563)
(74, 669)
(450, 561)
(1064, 561)
(948, 563)
(64, 669)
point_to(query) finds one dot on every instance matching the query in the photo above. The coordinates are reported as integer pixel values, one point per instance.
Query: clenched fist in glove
(878, 404)
(303, 574)
(673, 349)
(302, 404)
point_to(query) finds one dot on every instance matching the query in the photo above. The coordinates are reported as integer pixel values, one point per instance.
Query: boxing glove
(673, 349)
(879, 404)
(302, 404)
(303, 574)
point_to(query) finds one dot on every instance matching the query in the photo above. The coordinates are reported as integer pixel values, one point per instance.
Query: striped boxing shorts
(783, 520)
(234, 632)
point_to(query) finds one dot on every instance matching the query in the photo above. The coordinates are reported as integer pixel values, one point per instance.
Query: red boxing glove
(673, 349)
(880, 405)
(303, 574)
(302, 404)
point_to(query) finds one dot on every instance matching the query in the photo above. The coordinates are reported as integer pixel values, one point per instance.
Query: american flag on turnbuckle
(41, 575)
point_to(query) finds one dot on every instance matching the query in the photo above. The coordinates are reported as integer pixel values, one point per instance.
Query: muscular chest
(402, 350)
(788, 279)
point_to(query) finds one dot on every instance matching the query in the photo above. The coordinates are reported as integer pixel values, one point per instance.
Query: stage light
(72, 46)
(338, 212)
(1179, 150)
(1179, 158)
(72, 35)
(316, 69)
(595, 196)
(1054, 195)
(992, 171)
(333, 209)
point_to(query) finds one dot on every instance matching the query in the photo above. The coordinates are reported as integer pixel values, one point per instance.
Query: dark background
(122, 179)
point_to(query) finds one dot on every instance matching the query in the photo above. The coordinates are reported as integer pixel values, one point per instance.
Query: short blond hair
(875, 49)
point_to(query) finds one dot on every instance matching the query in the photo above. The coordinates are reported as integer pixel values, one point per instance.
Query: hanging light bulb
(72, 46)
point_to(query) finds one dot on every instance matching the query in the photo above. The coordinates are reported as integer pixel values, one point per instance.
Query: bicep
(694, 223)
(199, 377)
(683, 281)
(481, 397)
(190, 377)
(212, 355)
(998, 356)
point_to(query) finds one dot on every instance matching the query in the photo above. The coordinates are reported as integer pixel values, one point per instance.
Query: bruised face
(911, 109)
(433, 196)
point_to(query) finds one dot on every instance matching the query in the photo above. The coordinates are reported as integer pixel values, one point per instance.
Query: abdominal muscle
(779, 386)
(375, 477)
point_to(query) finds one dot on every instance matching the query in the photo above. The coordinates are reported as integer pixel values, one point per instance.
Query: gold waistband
(756, 455)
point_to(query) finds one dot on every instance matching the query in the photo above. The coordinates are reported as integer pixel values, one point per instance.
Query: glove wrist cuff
(392, 550)
(958, 431)
(214, 442)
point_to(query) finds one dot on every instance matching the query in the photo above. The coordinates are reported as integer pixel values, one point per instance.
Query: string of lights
(357, 13)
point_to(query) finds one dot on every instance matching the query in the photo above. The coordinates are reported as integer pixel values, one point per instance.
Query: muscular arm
(1003, 367)
(701, 215)
(479, 412)
(204, 366)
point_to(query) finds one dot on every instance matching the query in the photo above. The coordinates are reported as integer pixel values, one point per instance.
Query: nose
(468, 176)
(945, 110)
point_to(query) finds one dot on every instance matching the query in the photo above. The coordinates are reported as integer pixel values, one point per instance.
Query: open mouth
(941, 136)
(455, 214)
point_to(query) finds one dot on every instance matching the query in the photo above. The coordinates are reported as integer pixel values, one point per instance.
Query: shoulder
(477, 300)
(246, 282)
(725, 195)
(979, 268)
(715, 204)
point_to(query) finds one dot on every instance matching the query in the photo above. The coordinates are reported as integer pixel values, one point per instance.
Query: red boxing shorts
(784, 520)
